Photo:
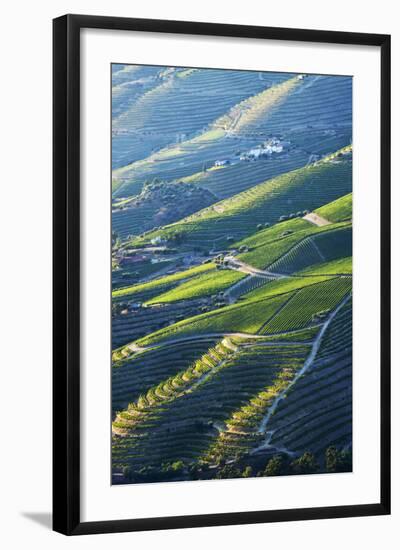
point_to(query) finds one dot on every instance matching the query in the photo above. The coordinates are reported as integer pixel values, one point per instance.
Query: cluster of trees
(333, 461)
(281, 464)
(147, 474)
(337, 461)
(230, 471)
(177, 237)
(293, 215)
(220, 260)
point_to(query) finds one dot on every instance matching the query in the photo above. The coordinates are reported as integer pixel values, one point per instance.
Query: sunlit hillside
(231, 274)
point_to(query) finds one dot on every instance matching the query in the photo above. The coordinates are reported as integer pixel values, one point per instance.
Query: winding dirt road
(238, 265)
(309, 361)
(135, 348)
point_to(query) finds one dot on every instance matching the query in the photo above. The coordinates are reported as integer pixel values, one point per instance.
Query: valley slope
(232, 274)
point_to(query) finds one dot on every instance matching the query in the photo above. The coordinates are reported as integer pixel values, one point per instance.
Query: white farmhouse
(157, 240)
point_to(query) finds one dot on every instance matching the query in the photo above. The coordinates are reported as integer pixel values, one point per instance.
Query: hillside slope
(306, 188)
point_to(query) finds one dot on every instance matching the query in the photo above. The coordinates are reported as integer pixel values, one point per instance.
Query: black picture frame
(66, 272)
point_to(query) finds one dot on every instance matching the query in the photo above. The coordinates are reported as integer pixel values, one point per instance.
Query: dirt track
(315, 219)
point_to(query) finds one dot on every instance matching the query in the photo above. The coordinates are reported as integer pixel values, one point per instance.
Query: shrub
(305, 464)
(276, 466)
(228, 472)
(127, 472)
(337, 461)
(177, 466)
(247, 472)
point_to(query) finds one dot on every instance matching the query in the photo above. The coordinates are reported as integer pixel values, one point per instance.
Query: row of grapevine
(239, 216)
(146, 407)
(135, 376)
(139, 322)
(318, 410)
(309, 304)
(173, 113)
(246, 285)
(186, 427)
(322, 247)
(320, 99)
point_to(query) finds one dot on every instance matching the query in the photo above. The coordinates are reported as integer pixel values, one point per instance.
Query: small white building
(273, 149)
(221, 162)
(157, 240)
(255, 152)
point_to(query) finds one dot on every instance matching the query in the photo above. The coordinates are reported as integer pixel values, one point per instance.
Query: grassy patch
(278, 240)
(305, 188)
(200, 286)
(339, 210)
(282, 286)
(134, 290)
(247, 318)
(301, 310)
(342, 266)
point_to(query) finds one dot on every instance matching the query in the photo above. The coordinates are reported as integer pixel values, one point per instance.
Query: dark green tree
(127, 472)
(337, 461)
(177, 466)
(247, 472)
(276, 466)
(331, 459)
(305, 464)
(228, 471)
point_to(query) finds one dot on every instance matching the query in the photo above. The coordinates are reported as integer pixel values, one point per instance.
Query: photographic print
(231, 274)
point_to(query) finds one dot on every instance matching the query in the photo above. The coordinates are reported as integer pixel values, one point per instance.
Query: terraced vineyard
(144, 291)
(137, 375)
(246, 317)
(320, 247)
(317, 411)
(308, 304)
(231, 273)
(237, 373)
(239, 216)
(176, 104)
(138, 323)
